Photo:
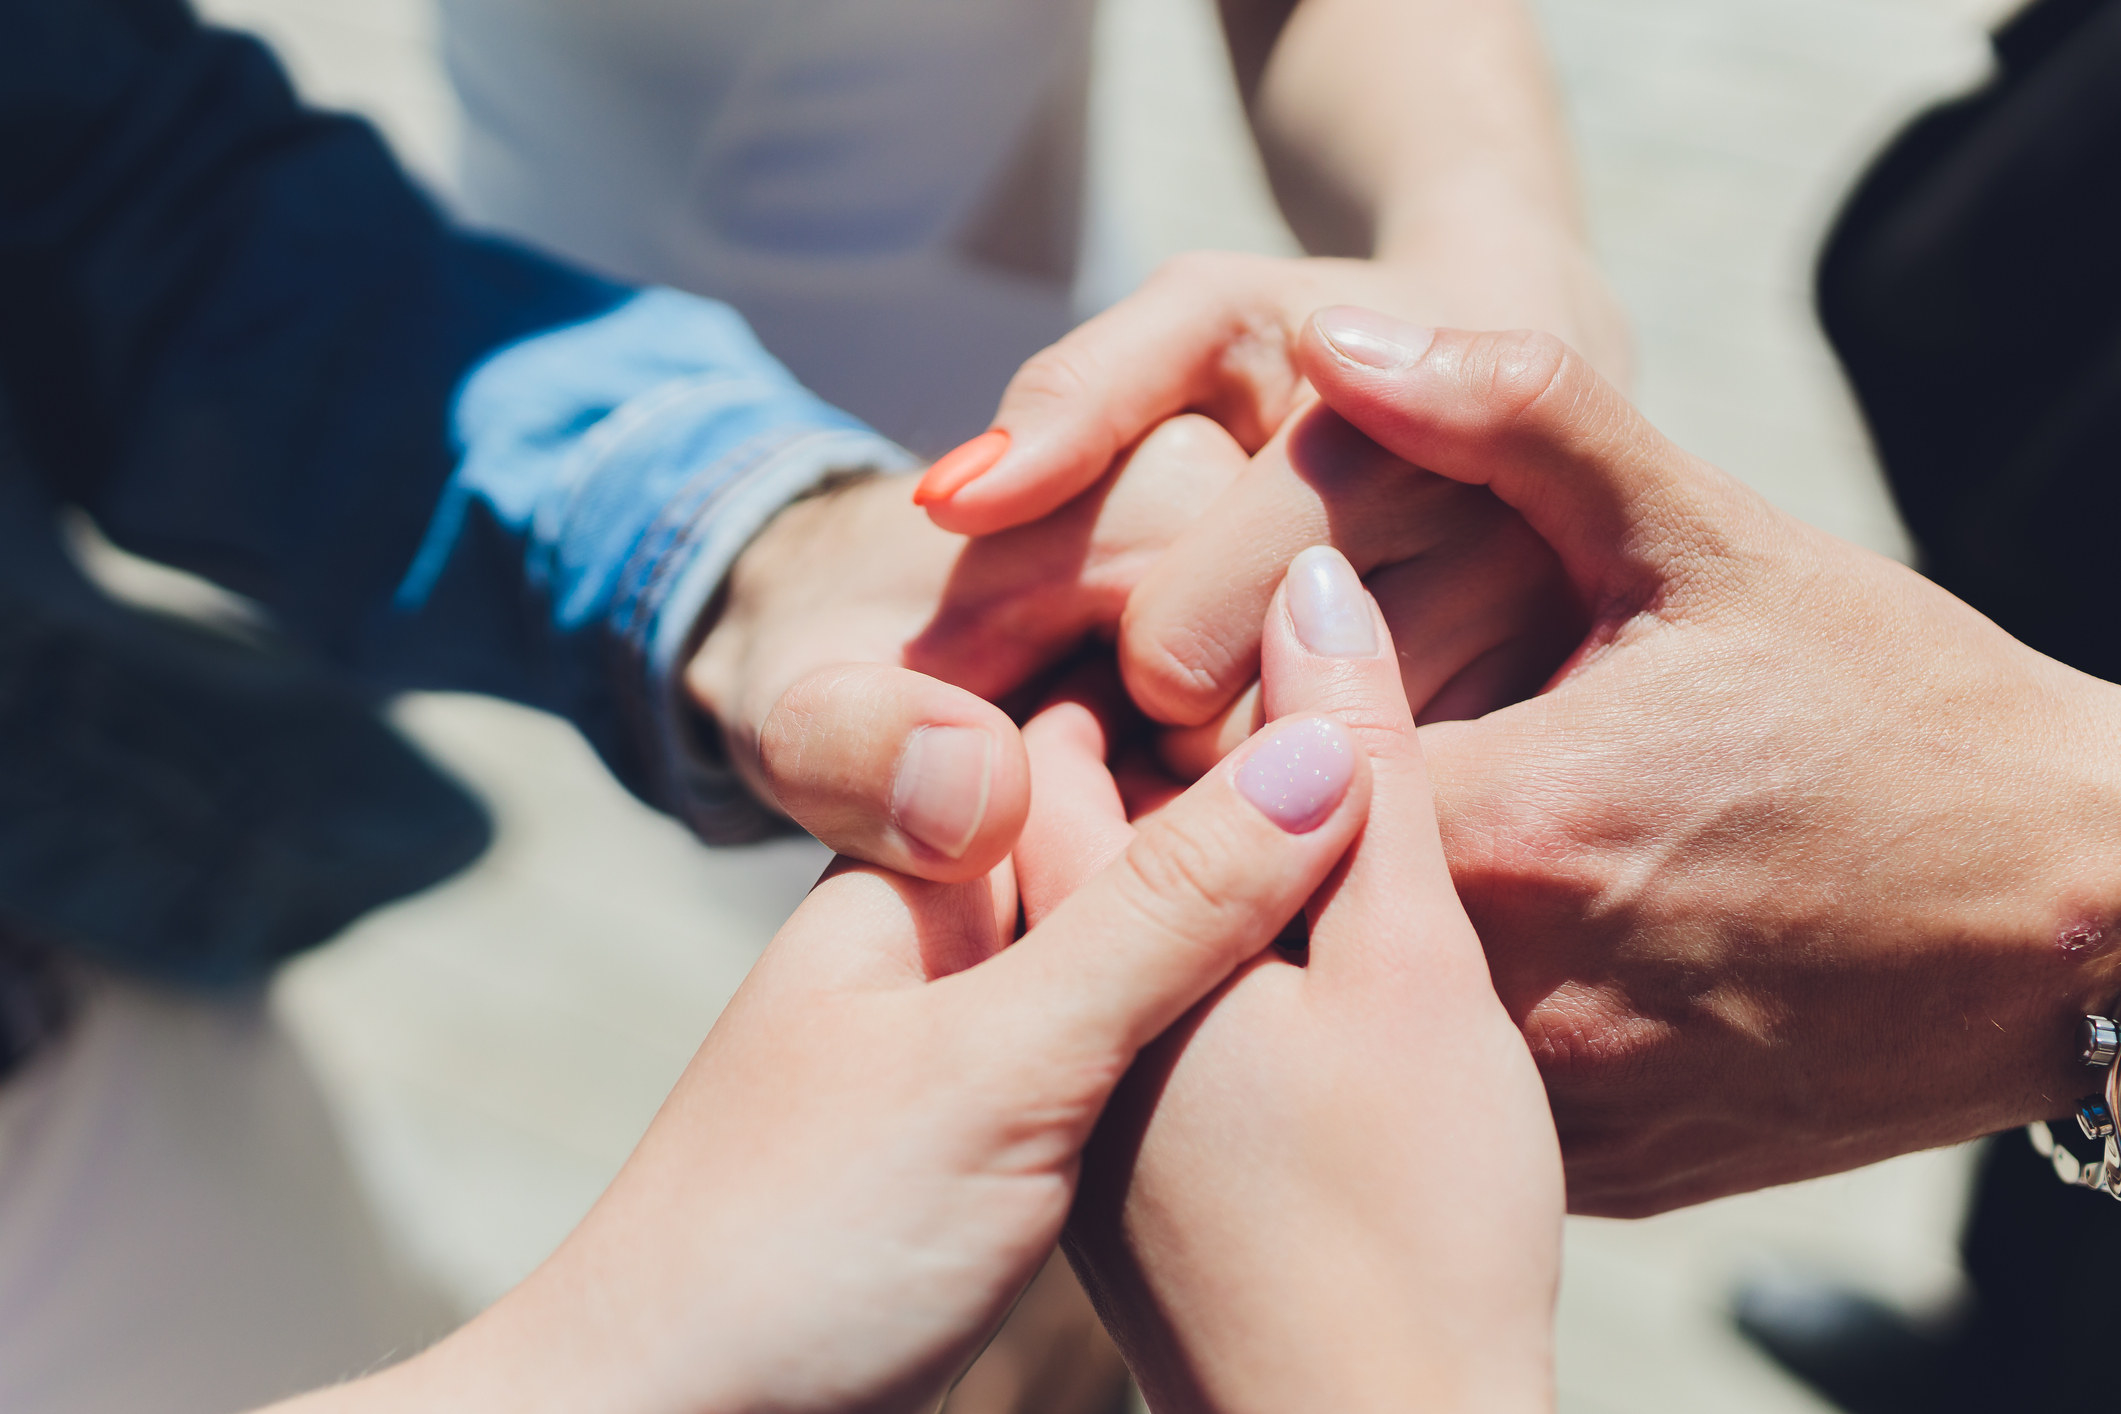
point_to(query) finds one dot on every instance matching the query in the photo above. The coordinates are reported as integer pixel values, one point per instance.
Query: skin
(852, 622)
(1480, 601)
(878, 1144)
(875, 1149)
(1436, 155)
(1798, 862)
(1417, 148)
(1393, 128)
(1332, 1186)
(1462, 207)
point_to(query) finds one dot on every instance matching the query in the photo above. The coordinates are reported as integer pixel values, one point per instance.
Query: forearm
(547, 1345)
(1355, 1364)
(1388, 125)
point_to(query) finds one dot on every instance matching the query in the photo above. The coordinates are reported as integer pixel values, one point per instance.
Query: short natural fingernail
(939, 795)
(959, 468)
(1329, 606)
(1299, 772)
(1371, 339)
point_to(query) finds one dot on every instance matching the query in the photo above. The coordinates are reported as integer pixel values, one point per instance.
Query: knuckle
(816, 696)
(800, 723)
(1188, 437)
(1532, 376)
(1183, 877)
(784, 739)
(1177, 669)
(1584, 1041)
(1380, 726)
(1062, 374)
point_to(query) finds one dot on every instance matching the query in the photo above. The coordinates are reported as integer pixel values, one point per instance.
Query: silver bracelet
(2098, 1044)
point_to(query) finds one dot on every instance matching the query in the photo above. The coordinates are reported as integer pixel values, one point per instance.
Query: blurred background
(481, 1058)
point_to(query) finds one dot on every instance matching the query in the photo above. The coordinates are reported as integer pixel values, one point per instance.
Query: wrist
(558, 1341)
(2055, 895)
(1348, 1324)
(730, 678)
(435, 1381)
(1500, 259)
(2081, 921)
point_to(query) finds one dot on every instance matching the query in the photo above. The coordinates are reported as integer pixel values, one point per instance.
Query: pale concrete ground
(493, 1049)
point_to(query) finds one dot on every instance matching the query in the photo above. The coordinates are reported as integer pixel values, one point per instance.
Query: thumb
(1526, 416)
(898, 769)
(1202, 888)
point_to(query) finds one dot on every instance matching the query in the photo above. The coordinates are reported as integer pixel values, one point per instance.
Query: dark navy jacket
(237, 334)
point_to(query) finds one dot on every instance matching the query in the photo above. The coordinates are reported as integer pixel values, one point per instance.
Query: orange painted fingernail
(956, 470)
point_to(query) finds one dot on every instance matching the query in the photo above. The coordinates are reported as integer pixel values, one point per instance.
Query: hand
(848, 666)
(1800, 862)
(1333, 1186)
(1477, 603)
(875, 1148)
(1216, 333)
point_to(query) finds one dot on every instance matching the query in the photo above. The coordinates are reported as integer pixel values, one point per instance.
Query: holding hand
(1217, 333)
(1800, 862)
(1333, 1185)
(875, 1149)
(854, 663)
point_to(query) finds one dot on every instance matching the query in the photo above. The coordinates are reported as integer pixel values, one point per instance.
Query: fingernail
(959, 468)
(939, 795)
(1371, 339)
(1329, 606)
(1298, 774)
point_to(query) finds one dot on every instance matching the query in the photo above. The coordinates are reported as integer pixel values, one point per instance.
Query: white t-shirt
(888, 189)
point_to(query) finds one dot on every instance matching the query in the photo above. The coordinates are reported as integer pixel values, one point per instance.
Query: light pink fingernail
(1329, 606)
(1373, 340)
(1298, 772)
(939, 795)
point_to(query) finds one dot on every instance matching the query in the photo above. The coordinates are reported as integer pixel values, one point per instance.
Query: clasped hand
(882, 1138)
(1780, 859)
(1784, 859)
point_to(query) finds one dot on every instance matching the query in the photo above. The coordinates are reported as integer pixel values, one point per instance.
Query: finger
(1191, 752)
(1508, 673)
(1189, 641)
(1146, 788)
(1327, 648)
(1498, 599)
(897, 768)
(1078, 823)
(1203, 886)
(1203, 334)
(1525, 415)
(865, 928)
(1477, 625)
(1090, 555)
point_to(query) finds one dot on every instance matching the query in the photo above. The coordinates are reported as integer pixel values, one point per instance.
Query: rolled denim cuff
(676, 574)
(612, 471)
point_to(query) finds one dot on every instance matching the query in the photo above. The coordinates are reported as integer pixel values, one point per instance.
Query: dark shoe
(1857, 1352)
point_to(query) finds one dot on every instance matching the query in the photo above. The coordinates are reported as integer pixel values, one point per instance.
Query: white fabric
(179, 1231)
(888, 189)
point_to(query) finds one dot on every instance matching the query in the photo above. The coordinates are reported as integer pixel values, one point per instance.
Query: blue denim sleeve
(610, 472)
(241, 339)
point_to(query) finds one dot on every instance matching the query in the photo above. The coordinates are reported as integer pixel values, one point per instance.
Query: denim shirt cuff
(674, 576)
(611, 471)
